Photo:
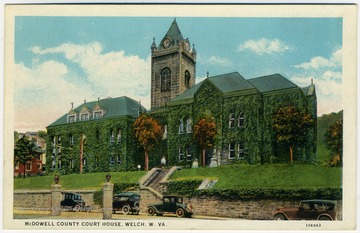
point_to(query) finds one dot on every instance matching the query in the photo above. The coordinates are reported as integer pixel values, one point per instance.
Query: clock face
(166, 43)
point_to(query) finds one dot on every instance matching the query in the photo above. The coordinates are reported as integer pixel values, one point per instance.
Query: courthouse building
(242, 109)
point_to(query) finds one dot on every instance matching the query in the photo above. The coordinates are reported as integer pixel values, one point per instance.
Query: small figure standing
(163, 162)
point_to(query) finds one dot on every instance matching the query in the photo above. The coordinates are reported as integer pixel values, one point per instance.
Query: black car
(171, 205)
(74, 202)
(127, 202)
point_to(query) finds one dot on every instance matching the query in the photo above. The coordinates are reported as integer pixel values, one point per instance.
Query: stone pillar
(213, 162)
(55, 199)
(107, 200)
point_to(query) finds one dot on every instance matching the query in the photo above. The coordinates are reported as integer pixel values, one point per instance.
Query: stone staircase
(155, 183)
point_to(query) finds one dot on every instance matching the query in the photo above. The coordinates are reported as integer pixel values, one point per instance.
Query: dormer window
(98, 114)
(84, 117)
(71, 118)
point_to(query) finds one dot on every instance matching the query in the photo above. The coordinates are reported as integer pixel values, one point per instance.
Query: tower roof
(174, 32)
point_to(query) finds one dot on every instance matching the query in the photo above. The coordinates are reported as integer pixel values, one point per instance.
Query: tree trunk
(291, 153)
(24, 165)
(203, 158)
(146, 160)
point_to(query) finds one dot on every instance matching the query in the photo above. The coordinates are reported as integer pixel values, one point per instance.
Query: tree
(205, 132)
(334, 139)
(291, 126)
(42, 134)
(24, 151)
(149, 133)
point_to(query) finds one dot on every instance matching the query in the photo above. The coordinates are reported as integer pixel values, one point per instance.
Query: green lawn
(270, 175)
(92, 181)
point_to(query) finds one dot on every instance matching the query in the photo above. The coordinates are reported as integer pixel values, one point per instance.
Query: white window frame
(188, 154)
(111, 161)
(26, 166)
(118, 159)
(241, 120)
(231, 120)
(241, 150)
(181, 127)
(118, 137)
(165, 132)
(73, 116)
(188, 125)
(96, 112)
(112, 137)
(231, 150)
(181, 154)
(84, 114)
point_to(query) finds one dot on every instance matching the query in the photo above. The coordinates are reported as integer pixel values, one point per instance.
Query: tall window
(111, 161)
(241, 120)
(119, 136)
(188, 125)
(28, 166)
(165, 79)
(112, 137)
(187, 79)
(181, 154)
(188, 154)
(118, 160)
(241, 150)
(231, 150)
(71, 139)
(181, 126)
(231, 120)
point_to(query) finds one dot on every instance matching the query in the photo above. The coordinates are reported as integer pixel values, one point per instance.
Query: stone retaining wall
(255, 210)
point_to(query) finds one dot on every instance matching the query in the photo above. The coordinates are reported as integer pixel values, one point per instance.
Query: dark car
(128, 202)
(74, 202)
(171, 205)
(309, 210)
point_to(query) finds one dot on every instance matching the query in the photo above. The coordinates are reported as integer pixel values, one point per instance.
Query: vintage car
(171, 205)
(309, 210)
(73, 201)
(127, 202)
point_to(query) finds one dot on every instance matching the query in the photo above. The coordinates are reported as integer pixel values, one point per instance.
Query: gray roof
(113, 107)
(272, 83)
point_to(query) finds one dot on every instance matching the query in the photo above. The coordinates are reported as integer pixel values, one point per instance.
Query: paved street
(36, 214)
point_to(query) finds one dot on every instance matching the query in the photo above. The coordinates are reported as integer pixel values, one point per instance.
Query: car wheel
(180, 212)
(77, 208)
(151, 211)
(126, 209)
(324, 218)
(136, 208)
(279, 217)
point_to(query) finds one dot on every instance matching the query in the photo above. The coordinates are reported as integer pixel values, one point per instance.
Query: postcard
(180, 117)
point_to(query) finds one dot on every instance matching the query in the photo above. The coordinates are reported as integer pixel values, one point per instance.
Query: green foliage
(87, 181)
(98, 149)
(24, 152)
(334, 140)
(324, 122)
(149, 133)
(244, 176)
(291, 126)
(272, 193)
(183, 187)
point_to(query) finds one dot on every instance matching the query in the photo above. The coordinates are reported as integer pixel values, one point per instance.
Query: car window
(166, 200)
(180, 200)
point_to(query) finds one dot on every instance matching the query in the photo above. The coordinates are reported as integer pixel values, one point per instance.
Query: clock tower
(172, 67)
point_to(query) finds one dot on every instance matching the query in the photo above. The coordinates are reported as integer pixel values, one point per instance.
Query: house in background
(37, 165)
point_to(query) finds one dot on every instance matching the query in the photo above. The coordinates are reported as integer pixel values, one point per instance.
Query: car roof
(320, 201)
(127, 194)
(173, 196)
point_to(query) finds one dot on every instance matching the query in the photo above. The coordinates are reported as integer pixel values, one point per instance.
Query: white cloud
(51, 86)
(215, 60)
(321, 62)
(265, 46)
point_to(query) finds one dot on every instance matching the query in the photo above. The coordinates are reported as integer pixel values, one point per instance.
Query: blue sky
(60, 60)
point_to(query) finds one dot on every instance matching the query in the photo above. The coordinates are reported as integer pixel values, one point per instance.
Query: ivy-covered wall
(105, 149)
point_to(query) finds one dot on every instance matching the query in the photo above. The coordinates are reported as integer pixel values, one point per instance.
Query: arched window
(187, 79)
(165, 79)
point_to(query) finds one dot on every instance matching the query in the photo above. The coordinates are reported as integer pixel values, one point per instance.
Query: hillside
(323, 124)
